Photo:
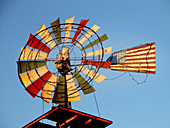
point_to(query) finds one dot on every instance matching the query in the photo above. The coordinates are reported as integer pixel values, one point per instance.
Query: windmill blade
(28, 77)
(24, 66)
(85, 86)
(99, 64)
(68, 27)
(102, 38)
(45, 35)
(138, 59)
(59, 95)
(88, 34)
(99, 52)
(30, 54)
(48, 89)
(79, 29)
(57, 30)
(34, 88)
(37, 44)
(94, 75)
(72, 92)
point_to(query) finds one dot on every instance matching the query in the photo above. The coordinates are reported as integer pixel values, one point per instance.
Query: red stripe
(150, 53)
(79, 29)
(37, 44)
(143, 46)
(143, 71)
(37, 85)
(147, 58)
(141, 50)
(146, 67)
(100, 64)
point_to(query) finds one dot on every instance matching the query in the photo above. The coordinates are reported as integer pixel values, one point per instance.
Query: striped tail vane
(138, 59)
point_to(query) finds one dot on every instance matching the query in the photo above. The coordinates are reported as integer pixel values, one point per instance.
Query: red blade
(79, 29)
(37, 44)
(37, 85)
(100, 64)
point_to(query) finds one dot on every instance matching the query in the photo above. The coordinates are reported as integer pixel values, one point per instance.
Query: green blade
(57, 30)
(102, 38)
(24, 66)
(85, 86)
(59, 95)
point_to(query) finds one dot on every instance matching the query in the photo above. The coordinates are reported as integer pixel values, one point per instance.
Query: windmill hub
(62, 63)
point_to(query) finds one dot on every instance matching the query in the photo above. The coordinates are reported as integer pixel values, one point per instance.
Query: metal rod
(66, 96)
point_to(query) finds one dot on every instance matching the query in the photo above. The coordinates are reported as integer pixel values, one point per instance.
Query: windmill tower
(60, 60)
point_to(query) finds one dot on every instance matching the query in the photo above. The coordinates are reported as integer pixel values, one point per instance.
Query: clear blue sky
(127, 23)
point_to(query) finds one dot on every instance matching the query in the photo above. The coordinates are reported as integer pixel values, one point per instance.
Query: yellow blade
(45, 35)
(88, 34)
(68, 28)
(31, 54)
(48, 89)
(97, 77)
(72, 92)
(28, 78)
(99, 52)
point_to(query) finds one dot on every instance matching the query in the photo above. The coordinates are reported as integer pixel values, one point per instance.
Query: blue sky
(127, 23)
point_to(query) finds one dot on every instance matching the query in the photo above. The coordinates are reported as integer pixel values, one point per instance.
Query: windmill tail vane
(138, 59)
(60, 60)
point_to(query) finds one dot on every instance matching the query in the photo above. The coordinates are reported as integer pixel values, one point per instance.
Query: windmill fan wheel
(61, 60)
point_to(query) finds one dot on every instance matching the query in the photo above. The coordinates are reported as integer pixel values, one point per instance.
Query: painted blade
(138, 59)
(88, 34)
(48, 89)
(37, 44)
(99, 64)
(57, 30)
(94, 75)
(99, 52)
(30, 54)
(68, 27)
(97, 41)
(79, 29)
(24, 66)
(29, 77)
(45, 35)
(85, 86)
(59, 93)
(34, 88)
(72, 92)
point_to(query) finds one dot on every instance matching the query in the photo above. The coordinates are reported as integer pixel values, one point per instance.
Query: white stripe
(143, 56)
(142, 52)
(138, 61)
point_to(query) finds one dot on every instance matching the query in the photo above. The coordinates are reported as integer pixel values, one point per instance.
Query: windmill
(60, 60)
